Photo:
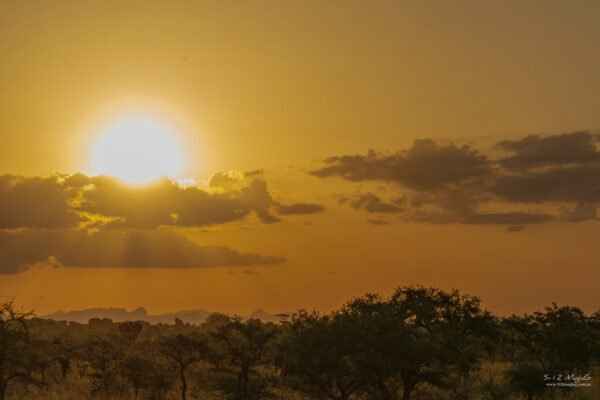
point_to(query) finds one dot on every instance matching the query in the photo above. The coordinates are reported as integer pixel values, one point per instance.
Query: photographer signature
(567, 378)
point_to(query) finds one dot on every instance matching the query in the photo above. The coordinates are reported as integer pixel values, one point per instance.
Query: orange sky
(281, 87)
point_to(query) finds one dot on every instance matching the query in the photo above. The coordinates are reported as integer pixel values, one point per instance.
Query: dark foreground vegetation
(420, 343)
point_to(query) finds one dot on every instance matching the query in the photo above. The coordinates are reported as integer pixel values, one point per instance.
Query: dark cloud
(373, 204)
(569, 184)
(167, 203)
(506, 218)
(445, 207)
(35, 203)
(560, 172)
(70, 220)
(427, 165)
(558, 168)
(472, 217)
(257, 173)
(70, 201)
(538, 151)
(299, 208)
(129, 249)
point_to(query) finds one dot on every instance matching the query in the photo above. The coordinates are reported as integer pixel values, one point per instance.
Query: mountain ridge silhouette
(121, 314)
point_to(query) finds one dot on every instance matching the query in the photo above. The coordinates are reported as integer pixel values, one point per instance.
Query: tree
(130, 330)
(418, 335)
(319, 354)
(456, 332)
(64, 352)
(386, 345)
(144, 373)
(182, 351)
(239, 350)
(15, 354)
(103, 357)
(556, 342)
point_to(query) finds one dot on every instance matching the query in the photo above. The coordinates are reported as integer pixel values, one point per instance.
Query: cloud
(505, 218)
(299, 208)
(447, 183)
(567, 184)
(561, 149)
(70, 201)
(557, 168)
(427, 165)
(166, 203)
(463, 205)
(71, 220)
(472, 217)
(230, 178)
(128, 249)
(35, 203)
(224, 179)
(373, 204)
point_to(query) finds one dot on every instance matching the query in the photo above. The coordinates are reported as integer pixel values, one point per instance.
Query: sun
(137, 151)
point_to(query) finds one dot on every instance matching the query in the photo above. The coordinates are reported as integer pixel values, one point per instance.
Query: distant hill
(140, 314)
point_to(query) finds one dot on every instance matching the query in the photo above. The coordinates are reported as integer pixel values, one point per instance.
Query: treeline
(419, 343)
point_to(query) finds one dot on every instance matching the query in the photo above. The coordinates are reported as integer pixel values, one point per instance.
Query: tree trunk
(183, 384)
(2, 391)
(244, 386)
(407, 389)
(530, 395)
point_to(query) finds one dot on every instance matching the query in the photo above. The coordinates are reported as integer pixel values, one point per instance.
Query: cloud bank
(63, 201)
(116, 249)
(72, 220)
(540, 179)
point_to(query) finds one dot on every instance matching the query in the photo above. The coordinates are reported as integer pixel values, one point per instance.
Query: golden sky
(328, 149)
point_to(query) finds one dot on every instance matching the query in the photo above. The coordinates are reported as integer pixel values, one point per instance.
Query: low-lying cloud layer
(73, 219)
(115, 249)
(540, 179)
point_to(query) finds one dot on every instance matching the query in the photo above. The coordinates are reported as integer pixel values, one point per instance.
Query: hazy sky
(443, 143)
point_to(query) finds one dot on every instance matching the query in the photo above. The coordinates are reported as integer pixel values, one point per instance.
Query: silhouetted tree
(15, 350)
(558, 341)
(182, 351)
(130, 330)
(144, 373)
(448, 334)
(418, 343)
(39, 361)
(238, 349)
(64, 351)
(594, 324)
(319, 355)
(418, 335)
(101, 325)
(385, 345)
(103, 357)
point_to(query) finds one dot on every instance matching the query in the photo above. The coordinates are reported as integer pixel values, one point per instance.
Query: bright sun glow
(138, 151)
